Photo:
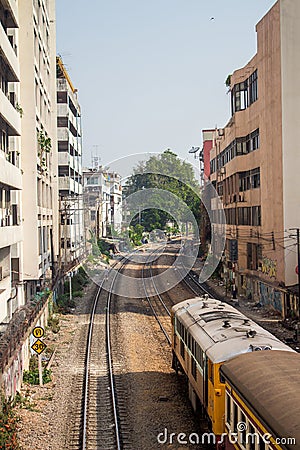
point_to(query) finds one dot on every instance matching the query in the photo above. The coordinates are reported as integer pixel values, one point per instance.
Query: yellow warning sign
(38, 346)
(38, 332)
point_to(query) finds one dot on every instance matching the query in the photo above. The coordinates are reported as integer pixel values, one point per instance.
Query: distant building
(115, 192)
(255, 165)
(11, 234)
(103, 201)
(69, 143)
(208, 137)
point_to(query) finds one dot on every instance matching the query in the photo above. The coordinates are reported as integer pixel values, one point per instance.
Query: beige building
(255, 165)
(39, 144)
(11, 294)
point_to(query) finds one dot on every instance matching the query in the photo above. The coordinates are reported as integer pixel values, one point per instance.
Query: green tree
(165, 172)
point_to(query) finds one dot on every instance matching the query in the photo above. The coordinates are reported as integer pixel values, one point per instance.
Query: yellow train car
(205, 333)
(262, 407)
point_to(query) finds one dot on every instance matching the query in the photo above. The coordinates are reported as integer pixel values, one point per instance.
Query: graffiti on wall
(12, 377)
(270, 296)
(269, 267)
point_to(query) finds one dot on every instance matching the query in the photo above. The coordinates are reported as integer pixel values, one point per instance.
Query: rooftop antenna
(95, 158)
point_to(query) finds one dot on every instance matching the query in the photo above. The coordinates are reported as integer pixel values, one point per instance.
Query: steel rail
(109, 357)
(150, 304)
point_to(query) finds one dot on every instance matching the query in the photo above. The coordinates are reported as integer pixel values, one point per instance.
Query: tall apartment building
(255, 164)
(69, 168)
(11, 295)
(39, 143)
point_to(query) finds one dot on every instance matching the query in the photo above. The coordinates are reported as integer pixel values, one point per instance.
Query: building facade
(69, 142)
(11, 233)
(103, 201)
(255, 163)
(39, 148)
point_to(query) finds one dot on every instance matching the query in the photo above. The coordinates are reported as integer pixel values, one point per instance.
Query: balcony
(10, 115)
(66, 184)
(10, 174)
(9, 56)
(10, 235)
(63, 158)
(11, 6)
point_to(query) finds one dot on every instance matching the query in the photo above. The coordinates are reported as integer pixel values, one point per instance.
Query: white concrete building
(103, 201)
(115, 191)
(38, 139)
(11, 272)
(69, 168)
(97, 201)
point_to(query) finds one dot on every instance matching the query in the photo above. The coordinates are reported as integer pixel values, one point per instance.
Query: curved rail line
(160, 299)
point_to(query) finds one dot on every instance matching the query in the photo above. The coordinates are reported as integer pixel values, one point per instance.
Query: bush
(8, 426)
(32, 376)
(78, 294)
(53, 324)
(64, 302)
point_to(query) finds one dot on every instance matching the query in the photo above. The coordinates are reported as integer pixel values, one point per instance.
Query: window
(254, 255)
(62, 122)
(198, 355)
(92, 180)
(244, 430)
(228, 408)
(61, 97)
(244, 94)
(235, 417)
(249, 179)
(252, 87)
(252, 437)
(256, 216)
(62, 146)
(182, 352)
(240, 96)
(211, 371)
(194, 368)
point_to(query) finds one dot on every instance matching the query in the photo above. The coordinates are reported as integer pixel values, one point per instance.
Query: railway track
(101, 420)
(157, 305)
(97, 423)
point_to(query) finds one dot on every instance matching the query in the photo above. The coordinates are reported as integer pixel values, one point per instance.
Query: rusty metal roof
(269, 383)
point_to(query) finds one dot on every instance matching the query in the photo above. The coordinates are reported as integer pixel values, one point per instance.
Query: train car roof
(222, 331)
(269, 384)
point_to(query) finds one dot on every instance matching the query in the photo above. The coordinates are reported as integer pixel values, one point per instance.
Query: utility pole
(298, 267)
(298, 261)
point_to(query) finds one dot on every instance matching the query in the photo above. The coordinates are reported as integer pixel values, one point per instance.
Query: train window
(193, 346)
(228, 409)
(222, 379)
(235, 417)
(211, 371)
(243, 429)
(188, 340)
(252, 437)
(182, 349)
(194, 368)
(199, 355)
(260, 444)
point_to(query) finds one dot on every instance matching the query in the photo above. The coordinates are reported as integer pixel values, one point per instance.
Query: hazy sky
(150, 74)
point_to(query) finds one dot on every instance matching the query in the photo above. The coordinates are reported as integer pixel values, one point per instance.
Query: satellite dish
(194, 149)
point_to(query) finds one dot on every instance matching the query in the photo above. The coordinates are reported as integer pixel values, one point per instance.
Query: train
(210, 339)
